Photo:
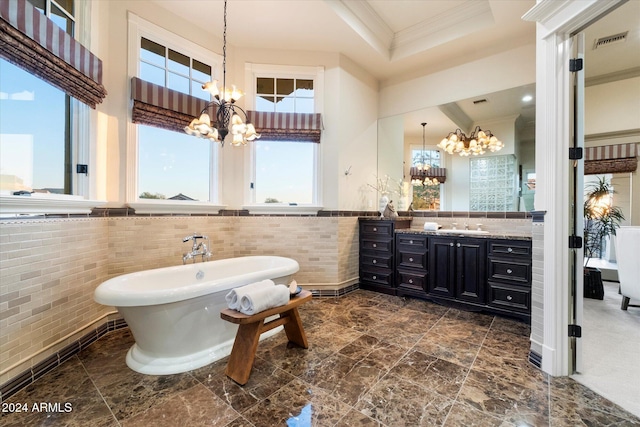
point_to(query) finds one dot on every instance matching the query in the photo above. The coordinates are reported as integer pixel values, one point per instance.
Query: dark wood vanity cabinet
(411, 264)
(509, 276)
(377, 269)
(457, 269)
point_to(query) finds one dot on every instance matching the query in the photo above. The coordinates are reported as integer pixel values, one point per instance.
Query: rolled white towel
(260, 299)
(234, 295)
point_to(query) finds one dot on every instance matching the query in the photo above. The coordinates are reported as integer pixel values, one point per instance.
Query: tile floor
(373, 360)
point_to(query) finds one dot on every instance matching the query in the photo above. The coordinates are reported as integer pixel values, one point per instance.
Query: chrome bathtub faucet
(197, 249)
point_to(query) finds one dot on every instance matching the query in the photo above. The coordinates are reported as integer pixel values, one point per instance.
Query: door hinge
(82, 169)
(575, 153)
(575, 331)
(576, 65)
(575, 242)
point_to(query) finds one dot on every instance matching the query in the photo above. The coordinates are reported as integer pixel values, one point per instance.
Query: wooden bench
(250, 328)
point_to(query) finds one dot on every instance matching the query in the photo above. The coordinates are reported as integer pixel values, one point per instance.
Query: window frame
(138, 28)
(418, 147)
(252, 72)
(83, 197)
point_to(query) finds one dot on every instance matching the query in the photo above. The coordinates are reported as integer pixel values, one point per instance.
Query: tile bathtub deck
(373, 360)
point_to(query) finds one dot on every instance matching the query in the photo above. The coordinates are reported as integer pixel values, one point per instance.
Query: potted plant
(601, 220)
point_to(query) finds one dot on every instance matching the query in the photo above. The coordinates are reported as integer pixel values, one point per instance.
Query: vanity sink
(459, 232)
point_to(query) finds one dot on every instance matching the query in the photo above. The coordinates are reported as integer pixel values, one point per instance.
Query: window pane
(284, 86)
(66, 5)
(61, 19)
(152, 52)
(152, 74)
(304, 88)
(39, 4)
(284, 172)
(172, 164)
(265, 85)
(285, 105)
(178, 62)
(198, 92)
(179, 83)
(265, 103)
(32, 157)
(304, 105)
(201, 72)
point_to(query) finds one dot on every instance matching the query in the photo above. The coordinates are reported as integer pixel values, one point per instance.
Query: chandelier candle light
(423, 166)
(476, 143)
(227, 118)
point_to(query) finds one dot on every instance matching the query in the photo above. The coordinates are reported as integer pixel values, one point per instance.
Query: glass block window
(493, 183)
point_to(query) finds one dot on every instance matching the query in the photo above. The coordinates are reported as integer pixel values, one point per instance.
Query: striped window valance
(438, 173)
(33, 42)
(303, 127)
(615, 158)
(158, 106)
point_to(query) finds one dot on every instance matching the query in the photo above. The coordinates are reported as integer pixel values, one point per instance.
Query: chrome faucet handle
(454, 225)
(479, 227)
(466, 226)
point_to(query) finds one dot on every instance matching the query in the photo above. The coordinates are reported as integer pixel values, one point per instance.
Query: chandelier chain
(224, 49)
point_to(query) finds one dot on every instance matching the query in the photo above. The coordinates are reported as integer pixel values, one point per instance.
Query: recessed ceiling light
(527, 98)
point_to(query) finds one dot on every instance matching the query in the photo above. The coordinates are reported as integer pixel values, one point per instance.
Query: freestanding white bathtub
(174, 312)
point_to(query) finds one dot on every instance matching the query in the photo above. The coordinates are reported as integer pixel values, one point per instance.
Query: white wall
(612, 106)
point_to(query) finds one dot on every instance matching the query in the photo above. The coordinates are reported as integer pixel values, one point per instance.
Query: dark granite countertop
(450, 233)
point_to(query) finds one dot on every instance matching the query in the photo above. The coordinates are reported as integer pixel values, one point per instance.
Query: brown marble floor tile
(571, 400)
(299, 402)
(448, 348)
(468, 416)
(373, 350)
(68, 385)
(395, 402)
(496, 396)
(507, 343)
(265, 379)
(478, 318)
(432, 373)
(461, 329)
(355, 418)
(196, 406)
(357, 381)
(295, 360)
(511, 368)
(328, 372)
(512, 326)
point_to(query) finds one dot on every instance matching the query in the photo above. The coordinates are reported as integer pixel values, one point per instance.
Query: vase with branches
(601, 218)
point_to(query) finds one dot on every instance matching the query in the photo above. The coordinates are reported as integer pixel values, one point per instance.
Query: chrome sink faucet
(197, 249)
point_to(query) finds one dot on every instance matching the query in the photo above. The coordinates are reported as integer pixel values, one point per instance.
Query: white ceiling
(395, 39)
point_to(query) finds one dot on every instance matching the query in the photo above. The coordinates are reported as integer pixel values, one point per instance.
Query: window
(171, 166)
(36, 158)
(284, 172)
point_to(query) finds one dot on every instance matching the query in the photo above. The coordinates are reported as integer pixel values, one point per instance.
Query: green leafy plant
(601, 219)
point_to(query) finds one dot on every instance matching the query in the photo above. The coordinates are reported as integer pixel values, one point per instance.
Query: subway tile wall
(48, 271)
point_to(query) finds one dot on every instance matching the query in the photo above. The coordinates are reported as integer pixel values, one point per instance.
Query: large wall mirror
(494, 181)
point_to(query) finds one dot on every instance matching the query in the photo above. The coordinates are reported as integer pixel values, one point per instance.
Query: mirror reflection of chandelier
(228, 119)
(423, 166)
(474, 144)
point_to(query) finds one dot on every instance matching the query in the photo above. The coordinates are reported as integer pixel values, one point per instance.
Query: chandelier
(476, 143)
(422, 167)
(228, 119)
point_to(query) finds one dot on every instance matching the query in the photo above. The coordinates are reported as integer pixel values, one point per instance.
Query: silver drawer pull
(451, 244)
(375, 229)
(375, 261)
(509, 297)
(375, 245)
(411, 242)
(374, 277)
(410, 259)
(509, 250)
(458, 245)
(509, 271)
(410, 280)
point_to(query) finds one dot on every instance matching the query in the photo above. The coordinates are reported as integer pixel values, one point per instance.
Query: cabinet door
(471, 258)
(442, 266)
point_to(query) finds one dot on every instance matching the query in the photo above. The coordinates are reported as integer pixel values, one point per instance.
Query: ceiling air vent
(606, 41)
(480, 101)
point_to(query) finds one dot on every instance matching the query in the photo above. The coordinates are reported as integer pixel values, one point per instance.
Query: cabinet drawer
(377, 245)
(509, 297)
(412, 280)
(510, 270)
(375, 228)
(411, 241)
(411, 259)
(376, 261)
(378, 278)
(510, 247)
